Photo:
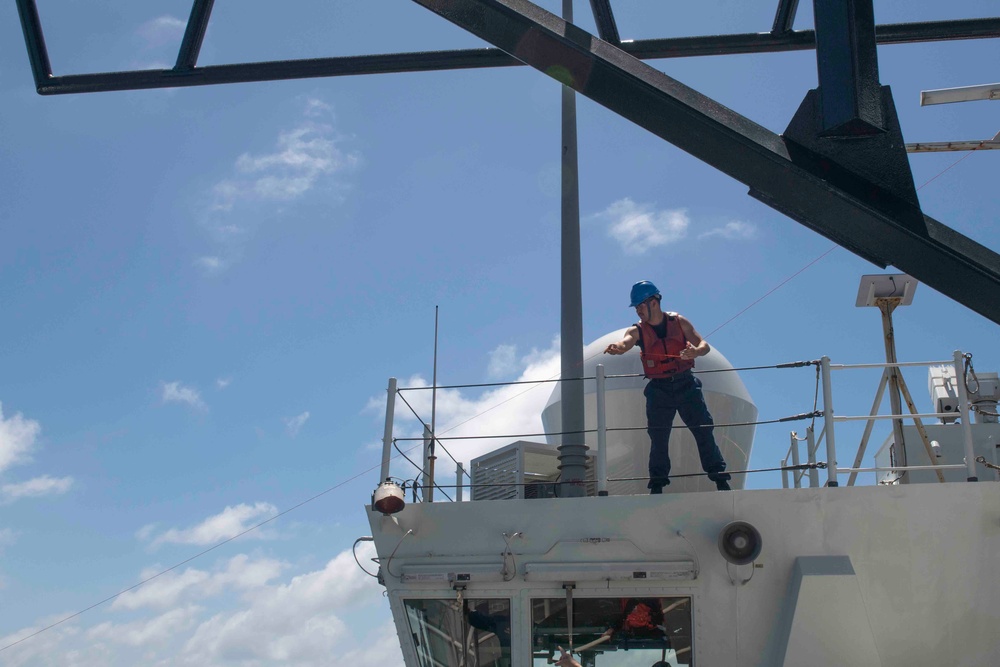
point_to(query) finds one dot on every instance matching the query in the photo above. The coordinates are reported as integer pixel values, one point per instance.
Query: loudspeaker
(740, 543)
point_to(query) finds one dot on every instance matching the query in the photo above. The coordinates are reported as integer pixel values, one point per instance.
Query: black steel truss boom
(832, 186)
(839, 168)
(194, 35)
(784, 17)
(185, 73)
(605, 20)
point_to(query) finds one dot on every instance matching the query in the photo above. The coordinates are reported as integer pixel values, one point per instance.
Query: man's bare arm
(696, 345)
(625, 344)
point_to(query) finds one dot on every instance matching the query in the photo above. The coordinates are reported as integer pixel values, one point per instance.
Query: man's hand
(615, 348)
(690, 352)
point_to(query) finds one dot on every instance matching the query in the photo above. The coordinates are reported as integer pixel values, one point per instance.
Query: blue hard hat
(641, 291)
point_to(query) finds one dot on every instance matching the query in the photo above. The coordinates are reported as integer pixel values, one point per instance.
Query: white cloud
(315, 108)
(154, 64)
(212, 264)
(144, 633)
(640, 228)
(35, 488)
(175, 392)
(503, 361)
(732, 231)
(161, 31)
(178, 587)
(163, 592)
(225, 193)
(307, 157)
(17, 439)
(305, 621)
(301, 623)
(230, 522)
(146, 532)
(302, 157)
(39, 645)
(294, 424)
(376, 652)
(222, 383)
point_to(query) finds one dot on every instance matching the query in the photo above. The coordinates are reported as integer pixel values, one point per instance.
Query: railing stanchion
(602, 436)
(963, 410)
(811, 457)
(831, 448)
(796, 474)
(390, 409)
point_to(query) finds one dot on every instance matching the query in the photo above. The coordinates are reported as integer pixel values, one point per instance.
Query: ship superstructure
(819, 572)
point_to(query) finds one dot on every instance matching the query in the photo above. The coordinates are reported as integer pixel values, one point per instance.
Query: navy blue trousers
(665, 398)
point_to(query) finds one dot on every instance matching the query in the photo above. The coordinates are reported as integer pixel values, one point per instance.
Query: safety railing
(794, 471)
(829, 419)
(599, 478)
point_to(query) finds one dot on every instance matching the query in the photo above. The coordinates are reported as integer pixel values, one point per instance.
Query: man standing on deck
(669, 345)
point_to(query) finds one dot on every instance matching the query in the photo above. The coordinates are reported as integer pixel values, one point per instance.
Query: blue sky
(204, 291)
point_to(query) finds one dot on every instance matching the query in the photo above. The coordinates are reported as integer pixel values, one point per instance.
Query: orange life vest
(661, 356)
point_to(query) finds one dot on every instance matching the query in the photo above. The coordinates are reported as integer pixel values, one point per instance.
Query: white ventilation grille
(522, 470)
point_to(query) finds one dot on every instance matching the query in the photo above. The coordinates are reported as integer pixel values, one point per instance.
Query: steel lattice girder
(838, 198)
(186, 72)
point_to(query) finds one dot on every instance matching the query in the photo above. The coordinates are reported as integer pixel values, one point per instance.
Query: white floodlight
(887, 286)
(388, 498)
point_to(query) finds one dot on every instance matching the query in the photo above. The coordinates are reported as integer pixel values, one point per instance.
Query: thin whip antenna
(434, 382)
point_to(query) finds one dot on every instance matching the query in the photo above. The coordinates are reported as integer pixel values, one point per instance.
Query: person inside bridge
(669, 345)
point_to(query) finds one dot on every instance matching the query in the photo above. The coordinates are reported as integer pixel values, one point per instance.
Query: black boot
(722, 485)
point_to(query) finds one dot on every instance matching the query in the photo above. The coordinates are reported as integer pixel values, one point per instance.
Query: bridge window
(613, 631)
(460, 633)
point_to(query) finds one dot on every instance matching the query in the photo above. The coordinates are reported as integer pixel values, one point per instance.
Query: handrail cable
(790, 418)
(790, 364)
(804, 415)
